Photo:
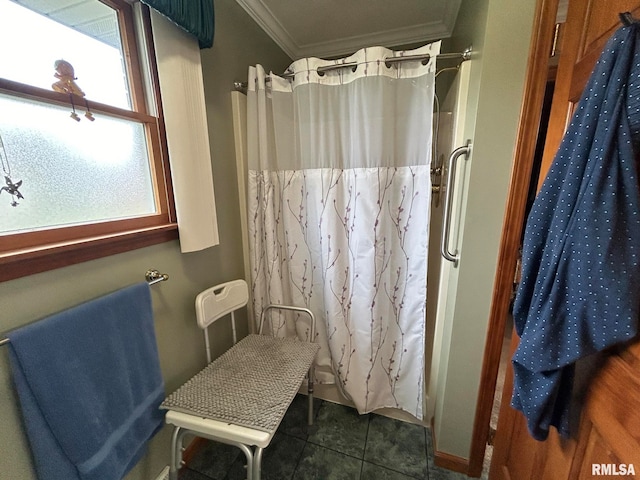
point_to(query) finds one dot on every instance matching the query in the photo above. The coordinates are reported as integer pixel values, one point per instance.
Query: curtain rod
(152, 276)
(463, 56)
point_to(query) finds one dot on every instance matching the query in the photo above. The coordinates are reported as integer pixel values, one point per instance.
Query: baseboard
(450, 462)
(193, 448)
(446, 460)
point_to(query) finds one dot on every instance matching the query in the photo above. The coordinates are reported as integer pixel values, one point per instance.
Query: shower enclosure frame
(453, 107)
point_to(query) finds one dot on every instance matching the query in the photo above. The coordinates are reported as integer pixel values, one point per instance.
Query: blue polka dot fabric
(580, 269)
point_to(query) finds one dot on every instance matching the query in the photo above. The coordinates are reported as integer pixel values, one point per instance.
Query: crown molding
(262, 15)
(389, 38)
(270, 24)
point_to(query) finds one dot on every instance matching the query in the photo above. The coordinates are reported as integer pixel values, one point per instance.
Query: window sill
(20, 263)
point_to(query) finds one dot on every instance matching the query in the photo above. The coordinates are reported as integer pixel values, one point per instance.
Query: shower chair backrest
(217, 302)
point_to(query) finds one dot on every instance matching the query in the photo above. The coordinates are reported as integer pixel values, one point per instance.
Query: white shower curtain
(339, 196)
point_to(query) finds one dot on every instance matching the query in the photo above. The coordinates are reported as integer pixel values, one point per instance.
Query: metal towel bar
(152, 276)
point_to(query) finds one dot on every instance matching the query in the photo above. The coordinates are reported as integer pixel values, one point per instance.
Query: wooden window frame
(23, 254)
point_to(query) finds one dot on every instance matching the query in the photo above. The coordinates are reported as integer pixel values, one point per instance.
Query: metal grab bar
(446, 219)
(309, 313)
(312, 337)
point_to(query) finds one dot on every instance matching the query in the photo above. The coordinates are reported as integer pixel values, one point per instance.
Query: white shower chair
(241, 397)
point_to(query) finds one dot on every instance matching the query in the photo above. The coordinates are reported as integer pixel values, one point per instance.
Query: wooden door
(609, 432)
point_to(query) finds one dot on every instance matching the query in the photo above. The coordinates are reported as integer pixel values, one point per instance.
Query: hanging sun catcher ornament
(67, 84)
(10, 187)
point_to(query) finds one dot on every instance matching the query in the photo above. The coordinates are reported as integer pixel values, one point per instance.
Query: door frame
(513, 223)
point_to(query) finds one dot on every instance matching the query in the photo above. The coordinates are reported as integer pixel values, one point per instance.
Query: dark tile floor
(340, 445)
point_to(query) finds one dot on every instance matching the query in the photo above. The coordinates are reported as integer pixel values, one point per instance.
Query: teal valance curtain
(194, 16)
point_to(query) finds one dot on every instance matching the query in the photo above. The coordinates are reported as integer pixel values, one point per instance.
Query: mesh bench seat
(241, 397)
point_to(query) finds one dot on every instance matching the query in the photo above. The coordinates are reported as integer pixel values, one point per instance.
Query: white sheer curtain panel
(339, 197)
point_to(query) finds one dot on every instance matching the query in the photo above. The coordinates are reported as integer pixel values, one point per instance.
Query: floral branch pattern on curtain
(339, 201)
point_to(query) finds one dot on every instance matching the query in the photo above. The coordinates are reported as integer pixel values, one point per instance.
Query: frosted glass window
(73, 189)
(85, 34)
(72, 172)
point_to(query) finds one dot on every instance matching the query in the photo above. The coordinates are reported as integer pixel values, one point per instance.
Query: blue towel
(89, 385)
(581, 252)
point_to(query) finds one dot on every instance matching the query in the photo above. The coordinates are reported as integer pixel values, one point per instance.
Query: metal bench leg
(310, 382)
(249, 455)
(257, 463)
(176, 452)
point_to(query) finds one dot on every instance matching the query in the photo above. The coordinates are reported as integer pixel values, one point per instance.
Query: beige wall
(239, 42)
